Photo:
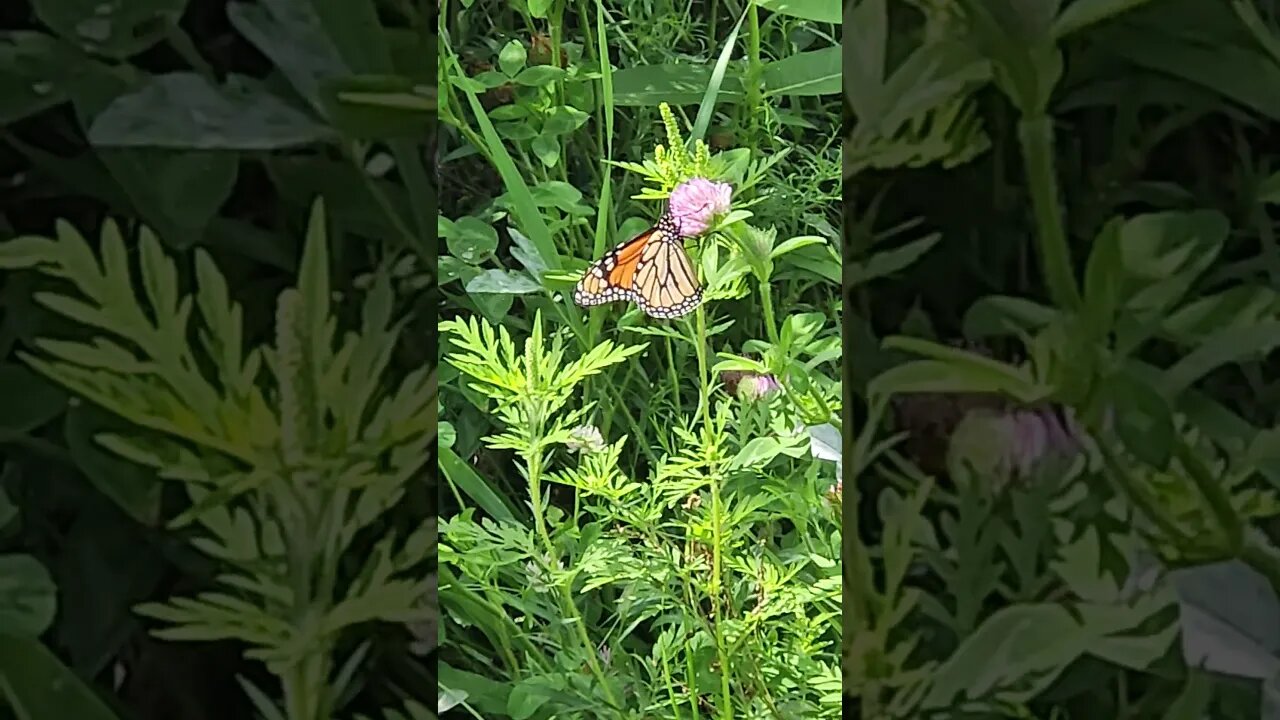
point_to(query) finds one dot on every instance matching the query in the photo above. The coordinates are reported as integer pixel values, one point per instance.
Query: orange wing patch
(612, 277)
(650, 269)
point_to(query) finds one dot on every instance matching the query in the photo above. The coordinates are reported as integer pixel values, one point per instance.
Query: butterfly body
(651, 269)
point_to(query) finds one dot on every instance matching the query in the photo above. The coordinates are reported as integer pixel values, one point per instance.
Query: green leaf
(372, 207)
(827, 11)
(563, 120)
(185, 111)
(936, 376)
(1002, 315)
(955, 370)
(1204, 44)
(1019, 651)
(177, 192)
(508, 113)
(715, 83)
(1235, 307)
(467, 481)
(38, 685)
(1104, 279)
(37, 72)
(816, 72)
(134, 488)
(354, 28)
(1143, 418)
(547, 148)
(502, 282)
(539, 75)
(486, 694)
(28, 597)
(1164, 253)
(795, 243)
(289, 33)
(887, 262)
(524, 210)
(677, 84)
(379, 106)
(1195, 699)
(114, 29)
(762, 450)
(512, 57)
(1230, 619)
(1081, 14)
(1230, 345)
(1269, 190)
(30, 400)
(472, 240)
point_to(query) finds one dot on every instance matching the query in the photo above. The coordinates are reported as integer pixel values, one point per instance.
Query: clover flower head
(1013, 443)
(749, 385)
(836, 492)
(696, 202)
(586, 438)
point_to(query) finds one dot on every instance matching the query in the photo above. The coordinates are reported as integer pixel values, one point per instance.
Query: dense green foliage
(216, 360)
(642, 520)
(1078, 195)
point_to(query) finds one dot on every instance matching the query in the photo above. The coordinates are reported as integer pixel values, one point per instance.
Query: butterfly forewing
(652, 269)
(610, 278)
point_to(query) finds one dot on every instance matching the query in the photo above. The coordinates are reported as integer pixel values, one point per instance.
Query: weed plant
(644, 513)
(1063, 490)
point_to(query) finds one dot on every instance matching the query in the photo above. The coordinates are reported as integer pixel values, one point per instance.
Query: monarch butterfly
(650, 269)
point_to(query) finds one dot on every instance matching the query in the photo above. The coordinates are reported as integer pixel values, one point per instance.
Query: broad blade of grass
(465, 479)
(717, 79)
(523, 205)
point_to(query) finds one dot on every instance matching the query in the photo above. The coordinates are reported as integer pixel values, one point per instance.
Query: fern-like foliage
(921, 112)
(286, 452)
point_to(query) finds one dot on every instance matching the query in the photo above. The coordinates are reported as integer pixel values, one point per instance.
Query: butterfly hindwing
(665, 285)
(651, 269)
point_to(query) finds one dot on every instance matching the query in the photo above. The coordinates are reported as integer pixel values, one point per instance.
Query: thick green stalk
(1035, 133)
(766, 300)
(305, 687)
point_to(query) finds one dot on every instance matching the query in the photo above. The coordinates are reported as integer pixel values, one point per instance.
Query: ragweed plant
(710, 588)
(676, 162)
(289, 454)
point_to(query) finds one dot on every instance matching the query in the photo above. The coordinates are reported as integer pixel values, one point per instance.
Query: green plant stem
(717, 520)
(766, 299)
(672, 374)
(533, 461)
(1141, 498)
(1219, 502)
(555, 19)
(1036, 137)
(755, 67)
(305, 687)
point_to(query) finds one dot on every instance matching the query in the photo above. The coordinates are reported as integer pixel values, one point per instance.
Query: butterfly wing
(665, 284)
(651, 269)
(612, 277)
